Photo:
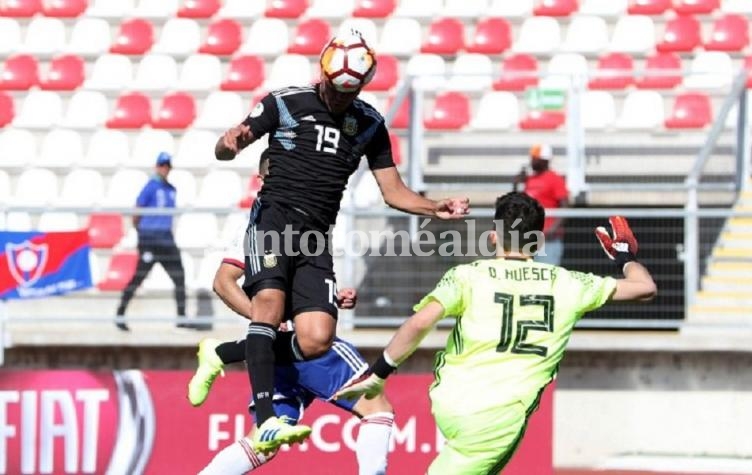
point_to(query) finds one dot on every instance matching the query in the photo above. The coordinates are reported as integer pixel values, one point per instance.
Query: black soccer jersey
(313, 152)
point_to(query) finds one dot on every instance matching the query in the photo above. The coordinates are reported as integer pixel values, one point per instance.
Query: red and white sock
(372, 446)
(237, 458)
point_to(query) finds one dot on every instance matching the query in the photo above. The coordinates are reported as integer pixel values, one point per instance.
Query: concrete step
(723, 299)
(737, 222)
(725, 253)
(727, 284)
(729, 269)
(735, 240)
(709, 314)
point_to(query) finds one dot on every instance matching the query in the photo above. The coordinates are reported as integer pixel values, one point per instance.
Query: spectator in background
(550, 190)
(155, 240)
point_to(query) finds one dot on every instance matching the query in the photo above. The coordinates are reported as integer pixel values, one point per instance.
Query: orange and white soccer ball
(348, 62)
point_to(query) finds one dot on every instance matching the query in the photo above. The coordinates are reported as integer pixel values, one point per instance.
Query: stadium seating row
(585, 34)
(360, 8)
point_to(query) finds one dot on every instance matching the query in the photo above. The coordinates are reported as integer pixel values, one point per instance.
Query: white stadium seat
(111, 72)
(266, 37)
(289, 70)
(36, 187)
(538, 35)
(156, 72)
(195, 230)
(60, 149)
(108, 148)
(507, 9)
(56, 221)
(149, 143)
(220, 189)
(400, 36)
(424, 9)
(330, 8)
(179, 37)
(124, 187)
(89, 37)
(19, 221)
(710, 70)
(110, 8)
(497, 110)
(10, 36)
(86, 110)
(221, 110)
(82, 187)
(157, 9)
(40, 110)
(641, 110)
(365, 26)
(562, 68)
(17, 147)
(200, 72)
(207, 269)
(242, 9)
(4, 187)
(196, 149)
(633, 34)
(44, 36)
(598, 110)
(736, 6)
(430, 67)
(587, 35)
(185, 186)
(603, 8)
(465, 8)
(470, 72)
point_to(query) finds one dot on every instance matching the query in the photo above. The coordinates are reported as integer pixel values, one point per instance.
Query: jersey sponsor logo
(308, 118)
(270, 260)
(350, 125)
(258, 110)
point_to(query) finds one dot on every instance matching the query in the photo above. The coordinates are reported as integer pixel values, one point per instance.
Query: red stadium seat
(132, 111)
(20, 8)
(695, 7)
(492, 36)
(387, 73)
(198, 8)
(7, 110)
(105, 230)
(555, 8)
(690, 111)
(542, 120)
(648, 7)
(120, 270)
(748, 68)
(617, 72)
(19, 73)
(402, 118)
(394, 140)
(445, 36)
(518, 72)
(223, 37)
(177, 111)
(64, 8)
(373, 8)
(681, 34)
(451, 111)
(286, 8)
(668, 65)
(310, 37)
(66, 73)
(135, 37)
(245, 73)
(730, 33)
(254, 186)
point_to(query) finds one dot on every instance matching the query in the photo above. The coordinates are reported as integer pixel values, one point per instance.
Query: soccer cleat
(274, 432)
(209, 367)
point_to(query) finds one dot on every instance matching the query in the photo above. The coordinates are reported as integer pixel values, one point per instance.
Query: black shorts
(283, 252)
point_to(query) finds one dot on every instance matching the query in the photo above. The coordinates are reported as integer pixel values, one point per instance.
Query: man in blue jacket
(155, 240)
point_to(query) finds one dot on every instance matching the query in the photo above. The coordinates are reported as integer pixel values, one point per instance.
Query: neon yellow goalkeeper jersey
(514, 318)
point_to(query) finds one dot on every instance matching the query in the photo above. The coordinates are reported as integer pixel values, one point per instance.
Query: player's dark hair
(263, 165)
(518, 219)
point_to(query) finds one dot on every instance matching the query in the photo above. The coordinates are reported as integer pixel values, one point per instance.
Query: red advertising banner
(132, 422)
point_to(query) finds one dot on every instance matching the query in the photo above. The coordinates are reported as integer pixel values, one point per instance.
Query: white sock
(372, 446)
(237, 458)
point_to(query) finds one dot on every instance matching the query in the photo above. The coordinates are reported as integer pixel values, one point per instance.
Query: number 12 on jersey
(519, 332)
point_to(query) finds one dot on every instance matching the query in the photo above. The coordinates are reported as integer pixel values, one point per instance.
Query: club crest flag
(37, 264)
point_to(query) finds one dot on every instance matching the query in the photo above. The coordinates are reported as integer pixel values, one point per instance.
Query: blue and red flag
(37, 264)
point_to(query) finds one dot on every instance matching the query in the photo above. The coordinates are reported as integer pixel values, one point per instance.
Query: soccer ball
(348, 62)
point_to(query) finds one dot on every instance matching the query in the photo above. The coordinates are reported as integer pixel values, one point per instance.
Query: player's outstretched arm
(226, 286)
(621, 246)
(397, 195)
(232, 142)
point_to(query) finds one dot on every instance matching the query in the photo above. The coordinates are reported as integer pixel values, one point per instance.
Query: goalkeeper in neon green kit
(513, 317)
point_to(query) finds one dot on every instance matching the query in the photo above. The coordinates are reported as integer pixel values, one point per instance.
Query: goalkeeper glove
(622, 246)
(371, 383)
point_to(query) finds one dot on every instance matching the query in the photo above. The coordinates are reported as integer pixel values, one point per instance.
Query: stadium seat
(266, 37)
(111, 72)
(420, 9)
(506, 9)
(5, 193)
(648, 7)
(470, 72)
(681, 34)
(17, 147)
(387, 73)
(428, 69)
(159, 280)
(451, 111)
(400, 37)
(185, 183)
(330, 9)
(748, 68)
(156, 72)
(120, 271)
(57, 221)
(518, 72)
(35, 187)
(19, 221)
(555, 8)
(586, 34)
(132, 111)
(287, 9)
(64, 8)
(179, 37)
(603, 8)
(196, 149)
(196, 230)
(562, 69)
(730, 33)
(245, 73)
(402, 117)
(19, 73)
(598, 110)
(198, 8)
(44, 36)
(538, 35)
(223, 38)
(82, 188)
(365, 26)
(10, 40)
(242, 9)
(207, 268)
(492, 36)
(446, 36)
(40, 110)
(641, 110)
(200, 72)
(177, 111)
(157, 9)
(124, 187)
(289, 70)
(220, 110)
(89, 37)
(496, 111)
(373, 8)
(614, 71)
(695, 7)
(107, 148)
(396, 144)
(668, 70)
(105, 230)
(709, 70)
(150, 143)
(109, 8)
(134, 37)
(249, 195)
(65, 73)
(7, 109)
(633, 34)
(736, 6)
(20, 8)
(310, 37)
(690, 111)
(468, 9)
(60, 148)
(220, 189)
(542, 120)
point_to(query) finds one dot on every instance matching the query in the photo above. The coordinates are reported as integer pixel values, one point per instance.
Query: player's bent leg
(372, 445)
(209, 367)
(314, 332)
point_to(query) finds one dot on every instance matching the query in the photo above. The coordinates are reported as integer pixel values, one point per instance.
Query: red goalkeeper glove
(622, 246)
